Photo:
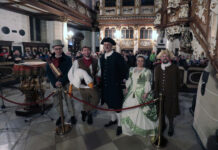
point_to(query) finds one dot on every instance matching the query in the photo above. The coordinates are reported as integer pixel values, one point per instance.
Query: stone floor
(39, 133)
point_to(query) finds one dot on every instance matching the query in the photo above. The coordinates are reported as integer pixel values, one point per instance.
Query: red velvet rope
(82, 101)
(28, 104)
(105, 109)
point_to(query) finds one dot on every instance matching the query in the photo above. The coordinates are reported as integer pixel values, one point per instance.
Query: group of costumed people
(100, 81)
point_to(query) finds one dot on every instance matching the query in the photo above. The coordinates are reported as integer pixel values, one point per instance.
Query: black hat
(107, 39)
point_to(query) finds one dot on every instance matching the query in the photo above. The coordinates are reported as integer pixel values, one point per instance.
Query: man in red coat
(167, 83)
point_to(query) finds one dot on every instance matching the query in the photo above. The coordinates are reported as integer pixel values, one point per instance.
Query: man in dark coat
(167, 83)
(57, 70)
(113, 71)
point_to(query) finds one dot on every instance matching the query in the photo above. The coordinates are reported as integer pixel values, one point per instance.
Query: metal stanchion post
(64, 128)
(160, 140)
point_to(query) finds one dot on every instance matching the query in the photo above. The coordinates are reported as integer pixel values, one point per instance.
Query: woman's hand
(145, 96)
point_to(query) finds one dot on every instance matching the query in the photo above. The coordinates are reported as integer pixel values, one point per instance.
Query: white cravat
(58, 56)
(163, 66)
(108, 54)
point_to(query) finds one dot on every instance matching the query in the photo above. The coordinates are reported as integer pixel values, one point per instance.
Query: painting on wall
(19, 48)
(45, 49)
(40, 49)
(27, 49)
(34, 49)
(5, 49)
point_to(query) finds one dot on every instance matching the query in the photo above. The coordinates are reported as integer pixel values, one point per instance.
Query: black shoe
(73, 120)
(90, 120)
(110, 123)
(164, 126)
(58, 122)
(84, 115)
(170, 131)
(119, 130)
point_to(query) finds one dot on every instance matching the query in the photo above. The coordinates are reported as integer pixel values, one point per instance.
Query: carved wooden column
(118, 42)
(101, 7)
(101, 36)
(136, 36)
(93, 41)
(118, 6)
(137, 8)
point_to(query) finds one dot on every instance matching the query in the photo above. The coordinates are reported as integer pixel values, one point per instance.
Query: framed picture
(34, 49)
(40, 49)
(45, 49)
(5, 49)
(27, 49)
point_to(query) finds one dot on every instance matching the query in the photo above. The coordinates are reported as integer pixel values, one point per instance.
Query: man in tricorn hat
(113, 71)
(57, 68)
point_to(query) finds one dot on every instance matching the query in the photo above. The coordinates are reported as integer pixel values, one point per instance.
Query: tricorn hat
(167, 52)
(107, 39)
(57, 43)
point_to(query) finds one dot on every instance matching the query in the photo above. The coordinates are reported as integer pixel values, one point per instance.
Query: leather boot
(110, 123)
(58, 122)
(84, 115)
(73, 120)
(119, 130)
(171, 129)
(90, 120)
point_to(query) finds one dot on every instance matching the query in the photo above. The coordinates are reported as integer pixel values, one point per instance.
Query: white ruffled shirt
(163, 66)
(108, 54)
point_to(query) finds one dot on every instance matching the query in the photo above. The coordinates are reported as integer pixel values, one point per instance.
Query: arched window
(146, 33)
(147, 2)
(127, 33)
(128, 2)
(110, 3)
(110, 32)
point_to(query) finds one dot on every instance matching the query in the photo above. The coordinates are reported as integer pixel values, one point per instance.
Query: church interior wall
(87, 39)
(15, 22)
(57, 30)
(44, 33)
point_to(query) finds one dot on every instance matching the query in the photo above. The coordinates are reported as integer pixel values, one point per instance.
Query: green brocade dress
(142, 120)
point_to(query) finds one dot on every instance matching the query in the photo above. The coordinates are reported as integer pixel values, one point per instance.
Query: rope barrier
(105, 109)
(28, 104)
(82, 101)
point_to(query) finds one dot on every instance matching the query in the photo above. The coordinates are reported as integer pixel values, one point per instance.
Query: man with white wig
(113, 71)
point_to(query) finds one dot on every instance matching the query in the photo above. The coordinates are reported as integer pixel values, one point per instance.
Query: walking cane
(160, 141)
(64, 128)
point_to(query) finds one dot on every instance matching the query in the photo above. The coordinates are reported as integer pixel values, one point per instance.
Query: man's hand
(58, 84)
(125, 91)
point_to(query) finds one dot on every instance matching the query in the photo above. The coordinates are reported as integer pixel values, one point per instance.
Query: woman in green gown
(142, 120)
